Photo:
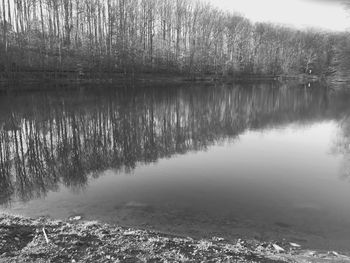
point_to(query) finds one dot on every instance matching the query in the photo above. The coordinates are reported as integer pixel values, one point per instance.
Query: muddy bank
(74, 240)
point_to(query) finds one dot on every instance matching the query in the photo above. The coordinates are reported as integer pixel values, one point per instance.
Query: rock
(310, 253)
(76, 218)
(130, 233)
(260, 248)
(333, 253)
(218, 239)
(295, 245)
(278, 248)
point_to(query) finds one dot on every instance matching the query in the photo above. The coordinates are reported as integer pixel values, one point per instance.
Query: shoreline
(75, 240)
(31, 81)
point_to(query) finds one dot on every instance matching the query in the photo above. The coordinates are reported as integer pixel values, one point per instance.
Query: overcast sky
(325, 14)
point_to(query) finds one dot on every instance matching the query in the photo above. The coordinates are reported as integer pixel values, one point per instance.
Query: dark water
(257, 161)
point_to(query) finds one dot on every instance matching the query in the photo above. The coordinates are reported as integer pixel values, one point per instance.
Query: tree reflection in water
(341, 146)
(52, 139)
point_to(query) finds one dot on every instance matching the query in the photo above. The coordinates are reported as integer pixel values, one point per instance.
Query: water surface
(259, 161)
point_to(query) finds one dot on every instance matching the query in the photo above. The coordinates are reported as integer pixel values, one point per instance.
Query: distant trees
(339, 57)
(152, 36)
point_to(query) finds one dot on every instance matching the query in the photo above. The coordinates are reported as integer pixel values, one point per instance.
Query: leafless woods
(131, 36)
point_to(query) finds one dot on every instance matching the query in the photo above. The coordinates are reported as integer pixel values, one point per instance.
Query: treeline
(341, 60)
(172, 36)
(53, 139)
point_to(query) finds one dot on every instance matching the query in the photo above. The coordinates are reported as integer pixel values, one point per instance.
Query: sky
(321, 14)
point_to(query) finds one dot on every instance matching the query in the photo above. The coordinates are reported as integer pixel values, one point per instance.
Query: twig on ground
(46, 238)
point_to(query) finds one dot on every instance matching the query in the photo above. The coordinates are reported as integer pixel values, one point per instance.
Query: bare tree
(179, 36)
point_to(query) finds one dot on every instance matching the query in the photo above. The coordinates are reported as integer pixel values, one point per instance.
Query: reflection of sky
(285, 174)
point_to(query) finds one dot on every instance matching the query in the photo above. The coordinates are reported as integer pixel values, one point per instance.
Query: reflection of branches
(5, 166)
(63, 141)
(342, 142)
(341, 146)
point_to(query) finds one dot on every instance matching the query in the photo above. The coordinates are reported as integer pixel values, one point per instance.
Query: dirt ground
(75, 240)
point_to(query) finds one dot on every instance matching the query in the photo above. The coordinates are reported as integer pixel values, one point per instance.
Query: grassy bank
(73, 240)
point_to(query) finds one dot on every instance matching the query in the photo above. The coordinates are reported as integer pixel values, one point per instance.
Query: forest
(158, 36)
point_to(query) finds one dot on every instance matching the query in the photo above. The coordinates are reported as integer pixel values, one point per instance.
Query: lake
(265, 161)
